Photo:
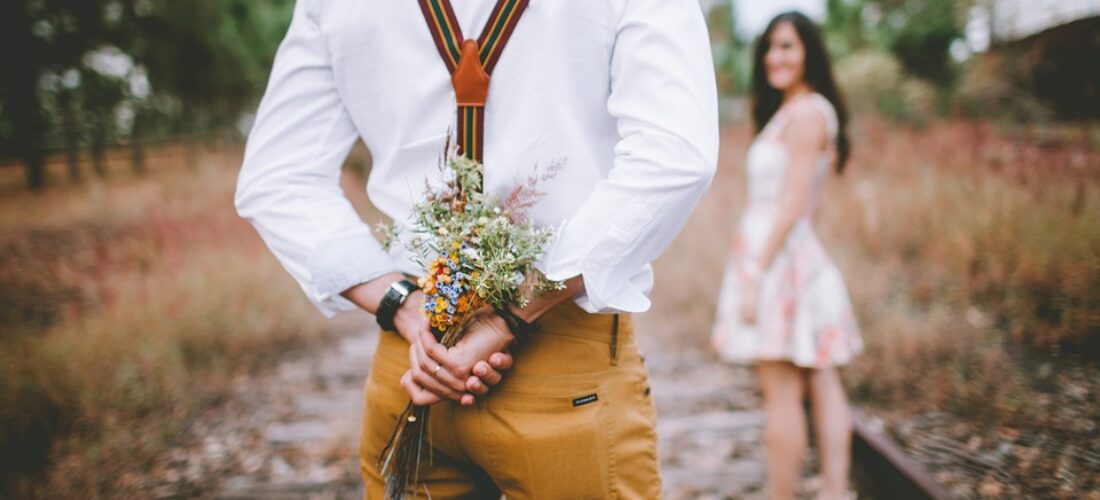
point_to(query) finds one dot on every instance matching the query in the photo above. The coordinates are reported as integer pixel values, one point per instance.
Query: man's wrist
(505, 337)
(410, 316)
(369, 295)
(519, 327)
(540, 305)
(396, 295)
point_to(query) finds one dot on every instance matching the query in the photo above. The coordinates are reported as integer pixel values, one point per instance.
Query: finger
(447, 359)
(423, 379)
(467, 400)
(417, 394)
(435, 369)
(501, 360)
(476, 386)
(433, 386)
(486, 373)
(426, 337)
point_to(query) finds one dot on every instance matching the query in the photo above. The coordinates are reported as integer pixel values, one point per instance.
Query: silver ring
(436, 370)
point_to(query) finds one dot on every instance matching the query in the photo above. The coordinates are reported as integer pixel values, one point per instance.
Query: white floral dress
(805, 314)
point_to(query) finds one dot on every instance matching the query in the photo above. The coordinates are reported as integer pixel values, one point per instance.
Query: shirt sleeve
(664, 98)
(289, 188)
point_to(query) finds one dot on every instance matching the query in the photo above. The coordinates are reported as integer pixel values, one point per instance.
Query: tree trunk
(137, 149)
(20, 56)
(99, 144)
(71, 133)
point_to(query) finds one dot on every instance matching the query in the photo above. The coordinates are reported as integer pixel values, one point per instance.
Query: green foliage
(873, 82)
(177, 68)
(844, 27)
(920, 32)
(732, 56)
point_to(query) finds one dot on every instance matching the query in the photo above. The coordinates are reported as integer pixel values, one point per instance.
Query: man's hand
(412, 325)
(464, 369)
(409, 319)
(473, 365)
(429, 380)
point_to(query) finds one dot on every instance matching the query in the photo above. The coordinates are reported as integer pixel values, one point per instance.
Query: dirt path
(294, 435)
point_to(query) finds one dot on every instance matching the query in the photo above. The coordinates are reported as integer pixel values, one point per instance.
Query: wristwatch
(520, 328)
(396, 294)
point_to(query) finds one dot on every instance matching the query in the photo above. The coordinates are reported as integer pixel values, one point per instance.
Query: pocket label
(583, 400)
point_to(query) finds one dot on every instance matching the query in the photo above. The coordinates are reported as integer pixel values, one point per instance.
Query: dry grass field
(130, 305)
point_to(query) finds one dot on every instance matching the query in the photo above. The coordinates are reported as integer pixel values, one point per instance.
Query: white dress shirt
(622, 90)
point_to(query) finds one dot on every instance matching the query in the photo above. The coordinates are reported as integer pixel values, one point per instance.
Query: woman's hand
(751, 276)
(750, 301)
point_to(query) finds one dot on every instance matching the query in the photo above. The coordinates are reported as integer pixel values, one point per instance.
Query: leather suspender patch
(471, 63)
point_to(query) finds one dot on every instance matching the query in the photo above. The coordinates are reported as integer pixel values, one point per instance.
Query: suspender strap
(502, 23)
(445, 30)
(471, 62)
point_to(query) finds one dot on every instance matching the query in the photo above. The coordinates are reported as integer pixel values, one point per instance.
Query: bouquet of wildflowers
(478, 253)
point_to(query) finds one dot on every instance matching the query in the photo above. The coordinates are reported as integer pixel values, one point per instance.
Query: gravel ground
(294, 434)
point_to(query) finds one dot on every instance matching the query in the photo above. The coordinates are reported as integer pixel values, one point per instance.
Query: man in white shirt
(624, 91)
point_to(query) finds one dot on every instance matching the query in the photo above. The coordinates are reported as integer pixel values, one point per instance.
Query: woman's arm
(804, 138)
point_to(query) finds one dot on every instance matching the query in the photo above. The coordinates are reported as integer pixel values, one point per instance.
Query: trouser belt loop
(615, 340)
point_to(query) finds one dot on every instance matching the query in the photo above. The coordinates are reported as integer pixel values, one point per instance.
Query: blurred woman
(783, 305)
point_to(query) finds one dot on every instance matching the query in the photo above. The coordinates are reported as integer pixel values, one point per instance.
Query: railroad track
(882, 470)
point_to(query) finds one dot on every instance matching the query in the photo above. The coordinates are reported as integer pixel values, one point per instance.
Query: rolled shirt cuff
(606, 291)
(342, 262)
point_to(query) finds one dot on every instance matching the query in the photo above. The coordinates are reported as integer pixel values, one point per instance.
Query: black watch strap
(396, 295)
(516, 324)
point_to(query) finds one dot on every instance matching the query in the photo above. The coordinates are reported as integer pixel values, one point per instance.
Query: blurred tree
(20, 65)
(920, 32)
(731, 55)
(82, 74)
(208, 58)
(844, 26)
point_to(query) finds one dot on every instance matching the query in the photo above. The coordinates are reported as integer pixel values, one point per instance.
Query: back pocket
(550, 442)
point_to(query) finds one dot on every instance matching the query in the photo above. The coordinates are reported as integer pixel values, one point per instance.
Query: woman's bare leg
(833, 429)
(785, 426)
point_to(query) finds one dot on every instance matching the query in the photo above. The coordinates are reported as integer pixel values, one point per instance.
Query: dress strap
(826, 108)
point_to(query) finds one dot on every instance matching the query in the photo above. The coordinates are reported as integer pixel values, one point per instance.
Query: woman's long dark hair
(818, 74)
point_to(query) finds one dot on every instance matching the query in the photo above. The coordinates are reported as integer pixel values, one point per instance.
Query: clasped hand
(462, 372)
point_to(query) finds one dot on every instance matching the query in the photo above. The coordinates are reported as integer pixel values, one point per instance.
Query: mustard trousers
(573, 419)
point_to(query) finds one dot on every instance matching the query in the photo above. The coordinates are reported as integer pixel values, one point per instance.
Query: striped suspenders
(470, 63)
